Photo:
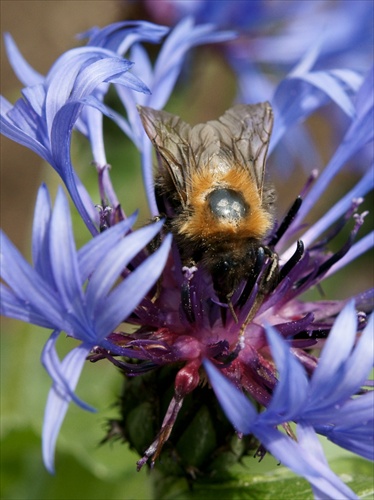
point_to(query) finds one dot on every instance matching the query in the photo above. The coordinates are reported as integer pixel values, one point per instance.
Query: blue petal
(64, 76)
(363, 245)
(121, 35)
(64, 261)
(24, 72)
(358, 367)
(290, 392)
(337, 348)
(40, 231)
(94, 251)
(297, 97)
(12, 127)
(353, 427)
(58, 372)
(94, 122)
(365, 185)
(101, 71)
(358, 135)
(324, 482)
(333, 88)
(169, 62)
(306, 459)
(60, 144)
(340, 372)
(14, 307)
(364, 99)
(58, 402)
(130, 81)
(234, 403)
(123, 300)
(28, 286)
(35, 98)
(115, 262)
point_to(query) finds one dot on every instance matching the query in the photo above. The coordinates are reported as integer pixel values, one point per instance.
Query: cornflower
(272, 362)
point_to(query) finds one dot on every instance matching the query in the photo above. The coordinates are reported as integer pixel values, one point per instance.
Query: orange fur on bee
(200, 222)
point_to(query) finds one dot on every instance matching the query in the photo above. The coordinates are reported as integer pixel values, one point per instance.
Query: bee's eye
(227, 204)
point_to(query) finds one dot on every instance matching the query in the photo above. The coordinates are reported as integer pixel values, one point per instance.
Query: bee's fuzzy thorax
(198, 221)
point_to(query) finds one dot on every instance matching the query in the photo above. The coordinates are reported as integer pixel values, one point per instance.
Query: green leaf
(279, 483)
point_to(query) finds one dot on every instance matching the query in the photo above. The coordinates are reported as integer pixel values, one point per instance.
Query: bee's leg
(226, 299)
(186, 301)
(223, 315)
(272, 274)
(152, 246)
(252, 313)
(155, 243)
(266, 283)
(231, 307)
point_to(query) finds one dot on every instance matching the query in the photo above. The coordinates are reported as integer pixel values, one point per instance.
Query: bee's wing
(170, 137)
(241, 136)
(244, 135)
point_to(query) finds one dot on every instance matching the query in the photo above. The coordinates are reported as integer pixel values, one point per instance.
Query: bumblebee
(211, 187)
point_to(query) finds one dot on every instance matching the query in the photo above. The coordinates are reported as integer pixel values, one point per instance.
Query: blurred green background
(85, 470)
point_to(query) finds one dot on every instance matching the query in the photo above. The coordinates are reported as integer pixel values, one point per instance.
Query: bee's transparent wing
(170, 137)
(242, 135)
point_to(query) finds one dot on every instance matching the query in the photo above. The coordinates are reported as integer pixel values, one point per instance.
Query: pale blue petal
(290, 391)
(115, 262)
(353, 426)
(130, 81)
(119, 36)
(93, 129)
(169, 62)
(326, 484)
(148, 176)
(297, 97)
(28, 286)
(126, 296)
(363, 245)
(24, 72)
(357, 136)
(57, 370)
(365, 185)
(35, 97)
(304, 458)
(14, 307)
(62, 76)
(326, 82)
(100, 71)
(58, 402)
(122, 123)
(40, 230)
(91, 255)
(11, 128)
(60, 143)
(63, 256)
(234, 403)
(335, 352)
(359, 364)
